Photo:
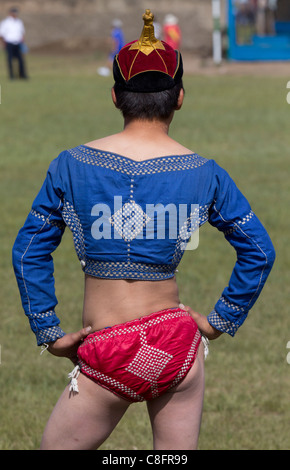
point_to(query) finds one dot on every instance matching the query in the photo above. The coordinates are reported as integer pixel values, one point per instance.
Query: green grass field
(242, 122)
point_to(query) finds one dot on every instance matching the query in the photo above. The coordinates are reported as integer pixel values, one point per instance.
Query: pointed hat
(147, 65)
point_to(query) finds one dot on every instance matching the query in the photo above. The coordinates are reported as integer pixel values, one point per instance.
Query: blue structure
(248, 41)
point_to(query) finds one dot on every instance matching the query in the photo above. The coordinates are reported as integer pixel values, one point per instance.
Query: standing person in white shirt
(12, 33)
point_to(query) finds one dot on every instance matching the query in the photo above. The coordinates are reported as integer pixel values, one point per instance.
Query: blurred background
(74, 25)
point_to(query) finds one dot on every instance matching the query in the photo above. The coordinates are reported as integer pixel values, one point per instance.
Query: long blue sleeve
(232, 214)
(33, 263)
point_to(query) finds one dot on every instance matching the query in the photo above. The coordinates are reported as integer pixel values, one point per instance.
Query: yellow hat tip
(147, 42)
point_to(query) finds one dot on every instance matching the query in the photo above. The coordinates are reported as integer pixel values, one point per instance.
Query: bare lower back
(110, 302)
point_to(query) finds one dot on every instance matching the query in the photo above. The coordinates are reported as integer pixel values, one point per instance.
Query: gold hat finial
(147, 42)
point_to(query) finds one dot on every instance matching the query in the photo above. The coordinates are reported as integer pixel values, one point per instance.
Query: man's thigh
(83, 421)
(176, 415)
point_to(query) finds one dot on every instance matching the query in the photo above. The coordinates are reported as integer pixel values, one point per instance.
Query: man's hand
(204, 326)
(67, 346)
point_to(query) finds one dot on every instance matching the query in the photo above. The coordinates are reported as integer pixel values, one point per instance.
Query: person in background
(116, 42)
(12, 33)
(117, 38)
(172, 31)
(157, 28)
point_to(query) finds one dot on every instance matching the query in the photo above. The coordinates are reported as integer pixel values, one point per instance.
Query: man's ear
(114, 97)
(180, 99)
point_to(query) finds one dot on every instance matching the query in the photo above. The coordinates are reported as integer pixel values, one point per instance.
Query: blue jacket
(133, 220)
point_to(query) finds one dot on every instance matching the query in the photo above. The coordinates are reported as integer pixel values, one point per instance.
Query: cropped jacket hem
(128, 270)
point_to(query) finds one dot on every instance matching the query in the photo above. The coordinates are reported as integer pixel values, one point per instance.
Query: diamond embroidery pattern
(129, 220)
(149, 363)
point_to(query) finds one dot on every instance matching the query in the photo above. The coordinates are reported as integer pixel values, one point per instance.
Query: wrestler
(115, 195)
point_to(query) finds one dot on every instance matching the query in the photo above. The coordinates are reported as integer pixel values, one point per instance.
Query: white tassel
(205, 344)
(44, 347)
(74, 380)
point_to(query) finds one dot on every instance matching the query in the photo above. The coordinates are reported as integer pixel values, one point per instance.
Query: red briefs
(141, 359)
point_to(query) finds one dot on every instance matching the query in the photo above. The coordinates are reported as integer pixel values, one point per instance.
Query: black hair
(149, 106)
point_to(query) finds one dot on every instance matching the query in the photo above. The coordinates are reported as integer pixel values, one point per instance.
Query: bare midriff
(109, 302)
